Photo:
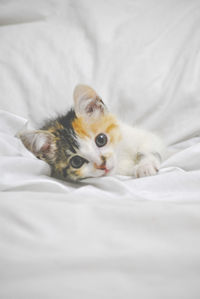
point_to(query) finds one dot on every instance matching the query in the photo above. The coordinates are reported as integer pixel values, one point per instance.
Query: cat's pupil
(77, 161)
(101, 140)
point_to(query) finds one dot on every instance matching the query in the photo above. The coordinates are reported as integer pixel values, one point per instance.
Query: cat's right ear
(40, 142)
(87, 103)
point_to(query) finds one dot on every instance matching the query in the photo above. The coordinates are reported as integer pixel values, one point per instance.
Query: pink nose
(102, 166)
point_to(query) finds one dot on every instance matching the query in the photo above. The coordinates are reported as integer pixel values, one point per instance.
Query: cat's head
(81, 144)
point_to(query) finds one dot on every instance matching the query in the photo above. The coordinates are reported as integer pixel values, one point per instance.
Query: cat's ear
(40, 142)
(87, 103)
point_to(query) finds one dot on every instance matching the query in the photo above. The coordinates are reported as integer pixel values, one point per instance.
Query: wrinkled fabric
(111, 237)
(144, 54)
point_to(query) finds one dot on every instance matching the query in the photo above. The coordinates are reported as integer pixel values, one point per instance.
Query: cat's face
(82, 143)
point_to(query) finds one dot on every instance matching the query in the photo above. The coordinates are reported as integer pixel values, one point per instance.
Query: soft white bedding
(112, 237)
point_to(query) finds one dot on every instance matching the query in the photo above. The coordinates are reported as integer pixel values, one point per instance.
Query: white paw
(147, 168)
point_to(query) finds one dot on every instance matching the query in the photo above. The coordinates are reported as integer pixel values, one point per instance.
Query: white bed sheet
(61, 246)
(112, 237)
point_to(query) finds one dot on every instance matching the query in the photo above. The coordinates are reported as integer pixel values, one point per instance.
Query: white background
(112, 237)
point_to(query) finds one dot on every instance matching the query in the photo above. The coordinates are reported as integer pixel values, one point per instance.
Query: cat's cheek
(111, 164)
(96, 173)
(90, 171)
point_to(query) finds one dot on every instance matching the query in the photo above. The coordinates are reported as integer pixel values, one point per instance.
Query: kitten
(90, 142)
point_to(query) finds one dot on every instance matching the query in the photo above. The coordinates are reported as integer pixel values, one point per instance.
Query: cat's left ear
(40, 142)
(87, 102)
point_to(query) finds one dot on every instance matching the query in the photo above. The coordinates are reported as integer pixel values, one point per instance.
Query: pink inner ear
(95, 105)
(45, 147)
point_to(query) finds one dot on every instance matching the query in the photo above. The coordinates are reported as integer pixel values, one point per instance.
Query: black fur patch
(66, 120)
(65, 135)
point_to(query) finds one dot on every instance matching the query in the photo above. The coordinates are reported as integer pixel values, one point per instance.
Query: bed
(111, 237)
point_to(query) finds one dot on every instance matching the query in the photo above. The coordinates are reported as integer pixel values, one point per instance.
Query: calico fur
(91, 137)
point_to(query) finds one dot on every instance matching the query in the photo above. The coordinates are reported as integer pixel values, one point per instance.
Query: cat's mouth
(107, 170)
(102, 167)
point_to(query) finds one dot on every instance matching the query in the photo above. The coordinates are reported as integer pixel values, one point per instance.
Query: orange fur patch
(78, 173)
(80, 127)
(105, 124)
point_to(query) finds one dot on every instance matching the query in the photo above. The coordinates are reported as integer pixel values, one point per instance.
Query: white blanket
(111, 237)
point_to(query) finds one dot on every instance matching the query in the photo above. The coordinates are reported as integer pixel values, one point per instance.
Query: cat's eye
(101, 140)
(77, 161)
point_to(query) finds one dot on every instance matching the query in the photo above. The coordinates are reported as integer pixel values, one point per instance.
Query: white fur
(139, 142)
(138, 154)
(92, 153)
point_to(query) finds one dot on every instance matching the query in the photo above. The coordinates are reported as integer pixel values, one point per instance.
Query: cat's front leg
(147, 164)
